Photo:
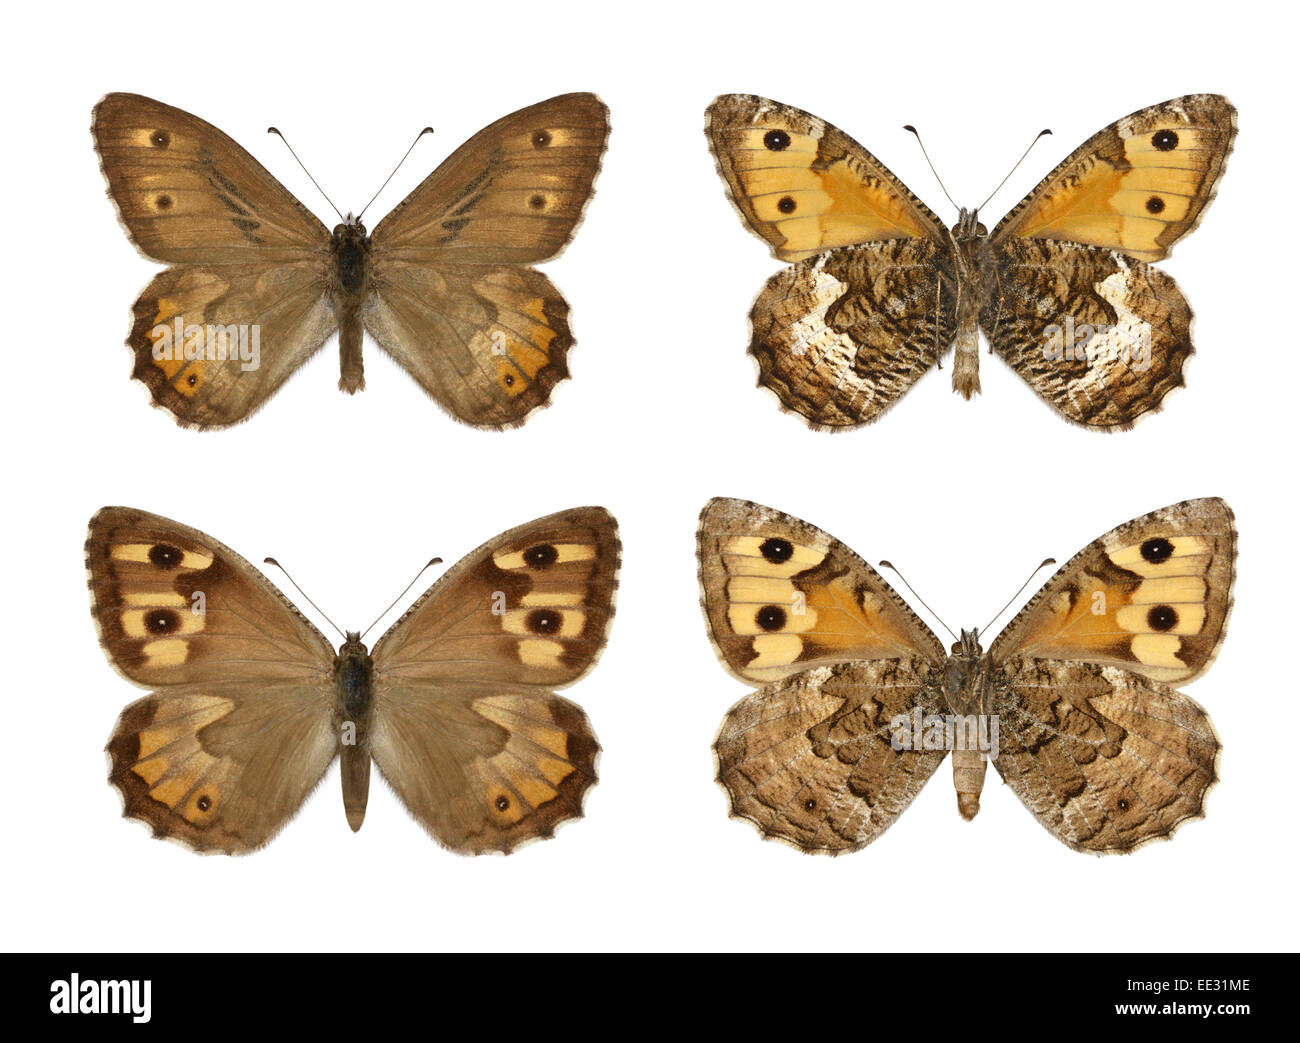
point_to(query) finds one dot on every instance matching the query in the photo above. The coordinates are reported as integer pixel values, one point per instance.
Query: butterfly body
(443, 283)
(878, 289)
(860, 703)
(250, 704)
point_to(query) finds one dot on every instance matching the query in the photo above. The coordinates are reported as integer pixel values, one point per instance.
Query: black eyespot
(502, 803)
(204, 803)
(544, 621)
(1123, 804)
(810, 804)
(163, 202)
(541, 138)
(1164, 140)
(191, 380)
(1162, 618)
(1155, 205)
(786, 205)
(1157, 550)
(508, 380)
(165, 556)
(777, 550)
(160, 139)
(770, 617)
(542, 556)
(776, 140)
(162, 621)
(537, 202)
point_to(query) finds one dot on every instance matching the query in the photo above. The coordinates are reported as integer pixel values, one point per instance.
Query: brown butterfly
(251, 704)
(1072, 702)
(879, 289)
(259, 284)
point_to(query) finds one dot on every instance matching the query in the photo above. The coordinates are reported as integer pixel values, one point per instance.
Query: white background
(353, 494)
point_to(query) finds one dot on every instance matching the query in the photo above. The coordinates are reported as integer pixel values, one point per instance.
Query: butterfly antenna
(427, 130)
(272, 561)
(1046, 562)
(890, 566)
(432, 562)
(1041, 134)
(276, 132)
(917, 134)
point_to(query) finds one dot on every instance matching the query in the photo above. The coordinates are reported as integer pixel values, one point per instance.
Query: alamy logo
(75, 996)
(179, 342)
(1080, 342)
(945, 731)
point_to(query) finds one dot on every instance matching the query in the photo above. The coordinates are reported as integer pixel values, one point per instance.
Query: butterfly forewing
(1138, 186)
(188, 193)
(513, 193)
(805, 186)
(1151, 596)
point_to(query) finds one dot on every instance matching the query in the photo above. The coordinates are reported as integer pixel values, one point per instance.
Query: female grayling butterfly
(251, 704)
(258, 284)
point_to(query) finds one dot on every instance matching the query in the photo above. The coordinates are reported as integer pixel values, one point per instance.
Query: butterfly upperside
(259, 284)
(251, 704)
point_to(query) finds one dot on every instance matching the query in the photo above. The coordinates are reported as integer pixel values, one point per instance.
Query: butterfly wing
(841, 336)
(1151, 596)
(238, 730)
(1138, 186)
(1106, 759)
(1100, 337)
(1077, 310)
(813, 760)
(805, 186)
(781, 596)
(1094, 740)
(810, 758)
(466, 729)
(450, 297)
(250, 261)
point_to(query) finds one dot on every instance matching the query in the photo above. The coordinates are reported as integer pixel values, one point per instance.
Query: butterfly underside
(250, 704)
(258, 283)
(878, 290)
(859, 703)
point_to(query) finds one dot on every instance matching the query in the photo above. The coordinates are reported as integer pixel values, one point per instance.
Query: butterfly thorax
(967, 689)
(353, 679)
(350, 250)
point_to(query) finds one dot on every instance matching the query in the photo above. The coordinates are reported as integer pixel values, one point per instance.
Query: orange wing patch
(1139, 185)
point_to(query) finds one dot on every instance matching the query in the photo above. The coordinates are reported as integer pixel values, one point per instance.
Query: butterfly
(1073, 703)
(258, 283)
(878, 289)
(251, 704)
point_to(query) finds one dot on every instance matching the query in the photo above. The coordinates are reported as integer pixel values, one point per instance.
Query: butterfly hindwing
(811, 761)
(840, 337)
(1104, 758)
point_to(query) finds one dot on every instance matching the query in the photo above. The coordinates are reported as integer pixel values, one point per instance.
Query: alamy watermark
(212, 342)
(945, 731)
(1088, 342)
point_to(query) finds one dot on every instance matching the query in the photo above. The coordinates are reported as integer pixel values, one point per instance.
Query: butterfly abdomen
(974, 270)
(350, 248)
(353, 677)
